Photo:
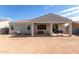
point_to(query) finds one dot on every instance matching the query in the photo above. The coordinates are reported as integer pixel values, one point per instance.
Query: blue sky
(18, 12)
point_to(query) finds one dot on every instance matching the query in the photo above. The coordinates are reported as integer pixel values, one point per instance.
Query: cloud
(71, 13)
(7, 18)
(70, 9)
(76, 18)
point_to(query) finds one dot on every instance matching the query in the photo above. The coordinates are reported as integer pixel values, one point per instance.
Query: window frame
(12, 27)
(28, 27)
(41, 27)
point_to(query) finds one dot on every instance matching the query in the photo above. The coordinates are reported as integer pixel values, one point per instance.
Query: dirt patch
(42, 45)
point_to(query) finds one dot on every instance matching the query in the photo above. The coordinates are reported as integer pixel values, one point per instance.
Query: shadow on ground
(13, 36)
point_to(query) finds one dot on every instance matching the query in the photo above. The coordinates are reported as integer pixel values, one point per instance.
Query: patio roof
(51, 18)
(21, 21)
(1, 20)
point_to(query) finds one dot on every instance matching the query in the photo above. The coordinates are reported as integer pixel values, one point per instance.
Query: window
(41, 27)
(12, 27)
(28, 27)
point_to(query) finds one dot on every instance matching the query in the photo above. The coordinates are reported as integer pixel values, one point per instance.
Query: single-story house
(46, 24)
(4, 26)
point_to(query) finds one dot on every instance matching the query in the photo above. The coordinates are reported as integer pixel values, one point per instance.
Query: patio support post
(32, 29)
(70, 29)
(63, 28)
(51, 31)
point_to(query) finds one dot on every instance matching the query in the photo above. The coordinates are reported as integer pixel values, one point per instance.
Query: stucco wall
(19, 27)
(75, 27)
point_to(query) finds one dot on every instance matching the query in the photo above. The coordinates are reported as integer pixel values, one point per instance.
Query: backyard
(43, 45)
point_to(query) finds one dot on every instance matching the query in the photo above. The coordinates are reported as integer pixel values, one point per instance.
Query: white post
(63, 26)
(70, 29)
(32, 29)
(51, 31)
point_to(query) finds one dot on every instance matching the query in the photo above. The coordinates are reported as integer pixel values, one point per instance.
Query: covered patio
(50, 29)
(51, 24)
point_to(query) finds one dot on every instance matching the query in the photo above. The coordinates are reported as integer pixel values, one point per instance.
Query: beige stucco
(75, 25)
(18, 26)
